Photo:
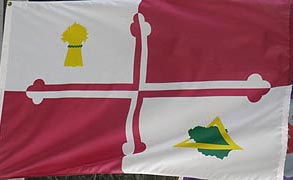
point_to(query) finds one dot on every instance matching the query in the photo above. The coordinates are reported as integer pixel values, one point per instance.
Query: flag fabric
(180, 88)
(289, 157)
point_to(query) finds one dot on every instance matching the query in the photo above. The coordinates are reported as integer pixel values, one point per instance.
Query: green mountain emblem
(212, 140)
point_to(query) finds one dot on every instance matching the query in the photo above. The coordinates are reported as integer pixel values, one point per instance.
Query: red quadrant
(61, 136)
(217, 40)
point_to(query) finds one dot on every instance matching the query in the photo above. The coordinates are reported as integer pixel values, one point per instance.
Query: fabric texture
(179, 88)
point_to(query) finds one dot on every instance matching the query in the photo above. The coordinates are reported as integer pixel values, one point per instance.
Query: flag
(195, 89)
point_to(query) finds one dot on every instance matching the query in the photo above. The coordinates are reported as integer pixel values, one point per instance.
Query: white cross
(147, 90)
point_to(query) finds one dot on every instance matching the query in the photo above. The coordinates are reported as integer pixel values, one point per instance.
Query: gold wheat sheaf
(75, 35)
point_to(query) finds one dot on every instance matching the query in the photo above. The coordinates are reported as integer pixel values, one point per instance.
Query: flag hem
(284, 135)
(5, 55)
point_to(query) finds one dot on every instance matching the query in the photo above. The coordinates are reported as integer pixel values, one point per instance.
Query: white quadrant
(36, 50)
(256, 127)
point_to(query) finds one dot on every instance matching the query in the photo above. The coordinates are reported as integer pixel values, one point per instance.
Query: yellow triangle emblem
(216, 122)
